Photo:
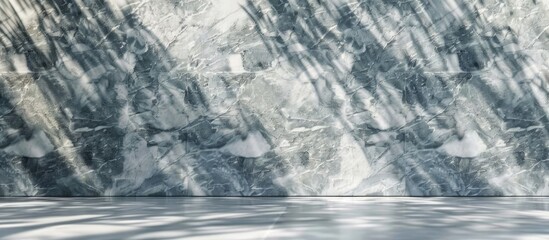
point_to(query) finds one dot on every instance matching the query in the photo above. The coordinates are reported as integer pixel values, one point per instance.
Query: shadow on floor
(273, 218)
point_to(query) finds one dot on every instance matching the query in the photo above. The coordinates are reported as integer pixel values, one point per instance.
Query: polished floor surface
(274, 218)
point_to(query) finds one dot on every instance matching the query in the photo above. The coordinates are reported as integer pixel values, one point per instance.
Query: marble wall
(274, 97)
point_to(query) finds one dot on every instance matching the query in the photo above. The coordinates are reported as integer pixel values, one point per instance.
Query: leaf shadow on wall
(120, 117)
(404, 57)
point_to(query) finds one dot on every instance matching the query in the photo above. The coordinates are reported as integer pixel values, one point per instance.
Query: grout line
(266, 235)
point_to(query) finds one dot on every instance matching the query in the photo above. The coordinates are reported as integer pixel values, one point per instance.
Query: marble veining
(274, 98)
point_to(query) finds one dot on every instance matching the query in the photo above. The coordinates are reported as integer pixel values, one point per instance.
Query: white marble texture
(274, 218)
(274, 98)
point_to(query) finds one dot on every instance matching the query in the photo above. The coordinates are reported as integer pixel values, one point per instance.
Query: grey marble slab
(274, 98)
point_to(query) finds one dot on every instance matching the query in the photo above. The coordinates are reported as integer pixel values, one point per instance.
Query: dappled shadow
(446, 95)
(289, 97)
(274, 218)
(93, 104)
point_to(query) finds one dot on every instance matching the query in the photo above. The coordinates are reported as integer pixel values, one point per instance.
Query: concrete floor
(274, 218)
